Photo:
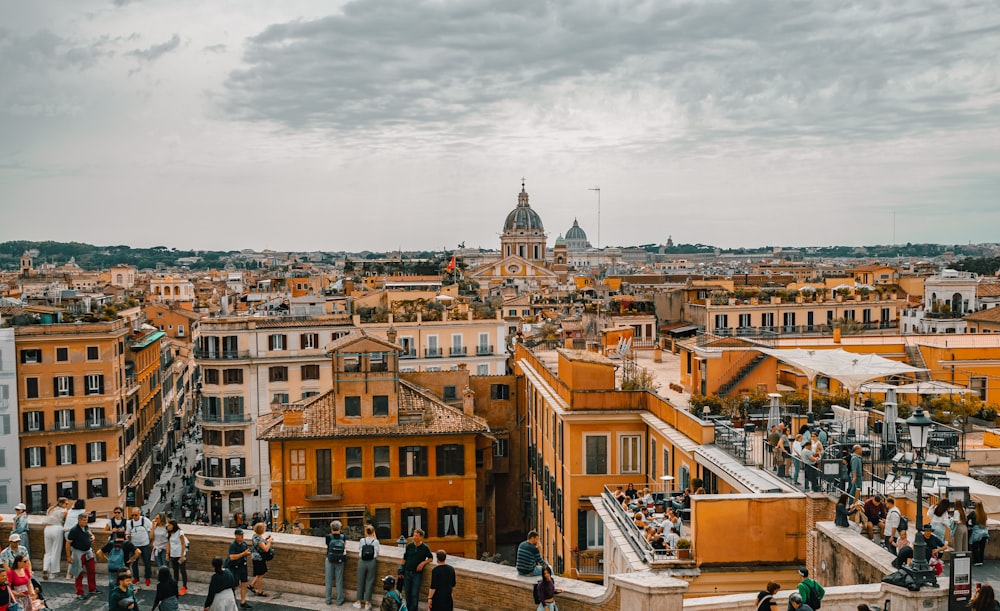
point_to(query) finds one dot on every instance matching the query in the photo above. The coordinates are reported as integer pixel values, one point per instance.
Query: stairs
(741, 374)
(916, 359)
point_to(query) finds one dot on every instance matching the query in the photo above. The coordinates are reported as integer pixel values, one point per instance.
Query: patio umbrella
(932, 387)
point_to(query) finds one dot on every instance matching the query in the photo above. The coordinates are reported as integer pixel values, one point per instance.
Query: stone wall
(298, 567)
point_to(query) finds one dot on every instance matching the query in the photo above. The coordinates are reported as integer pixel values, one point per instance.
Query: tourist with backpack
(368, 549)
(139, 530)
(545, 591)
(391, 600)
(118, 553)
(336, 556)
(809, 589)
(262, 554)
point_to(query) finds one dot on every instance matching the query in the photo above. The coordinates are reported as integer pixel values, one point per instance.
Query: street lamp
(920, 428)
(274, 515)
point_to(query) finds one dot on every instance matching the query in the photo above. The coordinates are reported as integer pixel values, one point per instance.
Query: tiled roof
(357, 335)
(420, 413)
(988, 289)
(988, 315)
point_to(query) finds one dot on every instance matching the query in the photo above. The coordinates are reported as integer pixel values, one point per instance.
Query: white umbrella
(932, 387)
(445, 298)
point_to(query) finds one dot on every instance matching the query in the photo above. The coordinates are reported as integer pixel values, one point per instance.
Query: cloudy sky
(381, 124)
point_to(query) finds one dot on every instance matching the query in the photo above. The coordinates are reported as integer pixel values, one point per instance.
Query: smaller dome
(560, 240)
(576, 232)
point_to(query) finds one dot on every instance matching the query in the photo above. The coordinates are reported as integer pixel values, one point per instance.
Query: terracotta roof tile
(988, 315)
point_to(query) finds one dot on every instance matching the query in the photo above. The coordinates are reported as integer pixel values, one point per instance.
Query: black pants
(978, 550)
(145, 560)
(182, 567)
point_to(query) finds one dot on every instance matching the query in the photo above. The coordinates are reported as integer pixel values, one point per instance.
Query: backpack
(814, 597)
(336, 547)
(904, 524)
(367, 550)
(536, 592)
(400, 604)
(265, 555)
(116, 558)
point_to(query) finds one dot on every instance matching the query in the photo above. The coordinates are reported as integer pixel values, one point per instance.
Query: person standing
(368, 550)
(529, 560)
(80, 557)
(442, 583)
(167, 594)
(856, 472)
(220, 595)
(546, 590)
(336, 556)
(159, 544)
(796, 458)
(55, 537)
(239, 551)
(12, 551)
(116, 523)
(138, 531)
(979, 534)
(808, 459)
(19, 581)
(119, 554)
(415, 557)
(808, 589)
(765, 598)
(960, 534)
(20, 527)
(177, 548)
(261, 546)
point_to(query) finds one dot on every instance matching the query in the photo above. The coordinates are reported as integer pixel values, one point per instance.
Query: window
(310, 372)
(450, 393)
(309, 393)
(631, 457)
(94, 416)
(297, 462)
(412, 519)
(234, 408)
(451, 459)
(277, 374)
(483, 370)
(383, 523)
(37, 497)
(721, 321)
(63, 386)
(31, 355)
(276, 342)
(309, 341)
(451, 521)
(977, 384)
(5, 425)
(377, 361)
(4, 394)
(95, 384)
(232, 376)
(236, 467)
(652, 458)
(595, 531)
(3, 458)
(788, 319)
(352, 460)
(866, 315)
(97, 451)
(279, 397)
(501, 447)
(31, 388)
(767, 319)
(381, 461)
(352, 363)
(380, 405)
(64, 419)
(66, 454)
(62, 355)
(235, 438)
(34, 421)
(211, 376)
(97, 487)
(34, 457)
(499, 391)
(324, 471)
(212, 437)
(93, 353)
(352, 407)
(67, 489)
(744, 320)
(412, 461)
(596, 454)
(3, 494)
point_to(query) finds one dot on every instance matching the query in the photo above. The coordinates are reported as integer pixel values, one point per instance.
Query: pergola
(849, 368)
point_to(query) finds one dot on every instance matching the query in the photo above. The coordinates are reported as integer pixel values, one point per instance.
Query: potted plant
(683, 549)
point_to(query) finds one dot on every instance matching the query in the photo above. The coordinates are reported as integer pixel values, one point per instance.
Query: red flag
(451, 266)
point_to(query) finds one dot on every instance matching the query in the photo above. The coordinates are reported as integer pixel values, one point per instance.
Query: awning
(335, 510)
(685, 330)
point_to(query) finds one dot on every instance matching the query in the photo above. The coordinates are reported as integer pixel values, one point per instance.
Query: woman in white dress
(54, 541)
(220, 589)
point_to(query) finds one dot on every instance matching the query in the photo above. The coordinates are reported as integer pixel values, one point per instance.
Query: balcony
(221, 355)
(335, 492)
(203, 482)
(459, 351)
(408, 354)
(226, 419)
(432, 353)
(484, 350)
(69, 427)
(131, 384)
(590, 563)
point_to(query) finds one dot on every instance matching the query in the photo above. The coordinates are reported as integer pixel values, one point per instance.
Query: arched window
(956, 303)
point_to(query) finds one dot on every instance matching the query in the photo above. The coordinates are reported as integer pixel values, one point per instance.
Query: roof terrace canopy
(849, 368)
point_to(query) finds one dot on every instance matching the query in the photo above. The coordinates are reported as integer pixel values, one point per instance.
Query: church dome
(523, 218)
(576, 232)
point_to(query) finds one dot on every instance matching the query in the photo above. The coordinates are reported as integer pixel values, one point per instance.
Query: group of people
(795, 455)
(416, 556)
(806, 597)
(661, 530)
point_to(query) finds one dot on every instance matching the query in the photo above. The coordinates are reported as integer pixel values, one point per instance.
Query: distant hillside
(93, 257)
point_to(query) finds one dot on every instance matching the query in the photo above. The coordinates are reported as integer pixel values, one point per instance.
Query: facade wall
(10, 425)
(442, 345)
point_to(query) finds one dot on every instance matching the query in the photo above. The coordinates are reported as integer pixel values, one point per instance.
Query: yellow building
(376, 448)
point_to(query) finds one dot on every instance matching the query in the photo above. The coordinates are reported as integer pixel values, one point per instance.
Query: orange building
(73, 387)
(376, 448)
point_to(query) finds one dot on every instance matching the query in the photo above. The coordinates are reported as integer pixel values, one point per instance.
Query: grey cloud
(44, 50)
(751, 68)
(156, 51)
(219, 48)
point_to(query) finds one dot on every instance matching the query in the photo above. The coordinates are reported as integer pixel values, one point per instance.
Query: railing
(226, 418)
(636, 539)
(131, 384)
(733, 440)
(206, 482)
(215, 355)
(335, 492)
(484, 350)
(590, 562)
(432, 353)
(769, 332)
(460, 351)
(408, 354)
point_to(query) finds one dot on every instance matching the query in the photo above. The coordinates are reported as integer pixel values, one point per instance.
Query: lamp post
(920, 427)
(274, 516)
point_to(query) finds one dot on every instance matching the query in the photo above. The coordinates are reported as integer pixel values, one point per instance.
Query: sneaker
(246, 605)
(183, 590)
(357, 604)
(81, 597)
(147, 581)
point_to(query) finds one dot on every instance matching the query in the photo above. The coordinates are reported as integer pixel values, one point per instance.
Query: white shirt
(797, 449)
(371, 540)
(138, 531)
(176, 544)
(891, 522)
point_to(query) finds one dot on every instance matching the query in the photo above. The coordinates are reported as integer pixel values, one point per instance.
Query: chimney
(468, 401)
(390, 335)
